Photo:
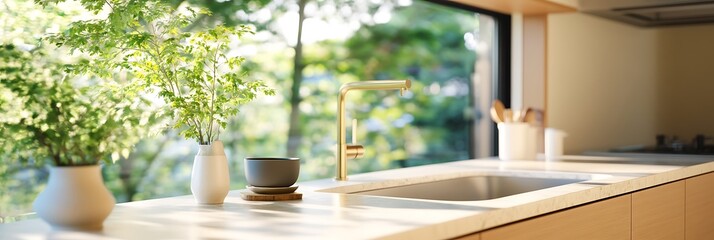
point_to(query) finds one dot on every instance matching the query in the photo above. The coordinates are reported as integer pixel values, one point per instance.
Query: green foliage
(191, 71)
(45, 117)
(423, 42)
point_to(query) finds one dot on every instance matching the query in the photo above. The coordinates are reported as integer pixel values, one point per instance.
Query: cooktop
(672, 145)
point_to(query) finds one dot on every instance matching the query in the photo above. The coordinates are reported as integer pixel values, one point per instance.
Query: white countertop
(322, 215)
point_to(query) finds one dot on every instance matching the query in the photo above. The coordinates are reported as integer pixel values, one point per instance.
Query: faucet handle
(354, 150)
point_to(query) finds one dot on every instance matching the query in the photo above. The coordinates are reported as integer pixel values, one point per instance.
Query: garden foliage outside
(416, 40)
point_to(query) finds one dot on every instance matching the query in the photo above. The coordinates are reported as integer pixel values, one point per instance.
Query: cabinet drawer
(607, 219)
(700, 207)
(658, 213)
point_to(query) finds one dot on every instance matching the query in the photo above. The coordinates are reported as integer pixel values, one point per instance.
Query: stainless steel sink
(473, 188)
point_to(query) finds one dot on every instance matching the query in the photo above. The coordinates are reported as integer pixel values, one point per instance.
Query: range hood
(651, 12)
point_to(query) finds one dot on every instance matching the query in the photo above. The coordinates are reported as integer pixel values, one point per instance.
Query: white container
(532, 143)
(210, 181)
(554, 144)
(75, 198)
(517, 141)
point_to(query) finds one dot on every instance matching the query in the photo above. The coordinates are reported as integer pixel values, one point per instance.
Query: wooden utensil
(497, 111)
(517, 114)
(530, 116)
(508, 115)
(522, 116)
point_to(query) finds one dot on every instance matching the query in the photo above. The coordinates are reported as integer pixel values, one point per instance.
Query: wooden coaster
(251, 196)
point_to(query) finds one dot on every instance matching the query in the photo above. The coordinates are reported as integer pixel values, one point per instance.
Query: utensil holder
(517, 141)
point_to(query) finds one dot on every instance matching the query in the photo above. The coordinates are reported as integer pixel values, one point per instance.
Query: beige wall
(611, 84)
(601, 82)
(686, 80)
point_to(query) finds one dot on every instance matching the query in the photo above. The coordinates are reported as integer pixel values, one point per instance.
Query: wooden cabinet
(700, 207)
(475, 236)
(607, 219)
(525, 7)
(678, 210)
(658, 212)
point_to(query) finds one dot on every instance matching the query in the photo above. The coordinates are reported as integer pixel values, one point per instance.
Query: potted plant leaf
(50, 118)
(192, 72)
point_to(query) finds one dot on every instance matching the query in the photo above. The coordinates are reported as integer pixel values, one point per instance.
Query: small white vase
(75, 198)
(210, 181)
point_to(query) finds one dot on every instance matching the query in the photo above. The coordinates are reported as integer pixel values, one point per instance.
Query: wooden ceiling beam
(525, 7)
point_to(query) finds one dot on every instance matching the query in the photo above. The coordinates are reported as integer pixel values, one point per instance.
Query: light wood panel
(658, 213)
(607, 219)
(525, 7)
(475, 236)
(534, 61)
(700, 207)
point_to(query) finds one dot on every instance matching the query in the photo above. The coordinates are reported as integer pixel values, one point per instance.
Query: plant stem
(198, 128)
(42, 139)
(213, 95)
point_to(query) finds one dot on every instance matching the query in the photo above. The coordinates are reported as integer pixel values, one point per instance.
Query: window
(456, 57)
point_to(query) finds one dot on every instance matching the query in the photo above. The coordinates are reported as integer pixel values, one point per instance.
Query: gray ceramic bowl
(271, 171)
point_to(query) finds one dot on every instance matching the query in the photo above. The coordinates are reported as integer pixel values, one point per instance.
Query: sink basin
(472, 188)
(477, 187)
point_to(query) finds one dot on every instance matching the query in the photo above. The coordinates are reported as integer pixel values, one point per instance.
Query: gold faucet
(354, 151)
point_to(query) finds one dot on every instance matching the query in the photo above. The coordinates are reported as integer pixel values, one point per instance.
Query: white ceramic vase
(210, 181)
(75, 198)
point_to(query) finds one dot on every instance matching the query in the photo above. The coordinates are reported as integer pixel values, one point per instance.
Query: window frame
(502, 87)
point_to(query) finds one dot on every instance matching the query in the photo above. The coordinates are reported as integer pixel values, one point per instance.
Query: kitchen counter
(324, 215)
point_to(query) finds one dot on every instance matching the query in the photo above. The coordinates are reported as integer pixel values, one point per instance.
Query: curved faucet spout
(356, 151)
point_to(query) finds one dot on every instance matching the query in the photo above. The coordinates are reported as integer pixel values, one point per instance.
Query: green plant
(191, 71)
(46, 115)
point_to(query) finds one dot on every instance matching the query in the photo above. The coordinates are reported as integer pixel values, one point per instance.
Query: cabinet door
(473, 236)
(658, 213)
(700, 207)
(607, 219)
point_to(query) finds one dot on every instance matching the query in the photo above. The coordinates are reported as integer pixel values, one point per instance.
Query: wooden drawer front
(700, 207)
(607, 219)
(473, 236)
(658, 213)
